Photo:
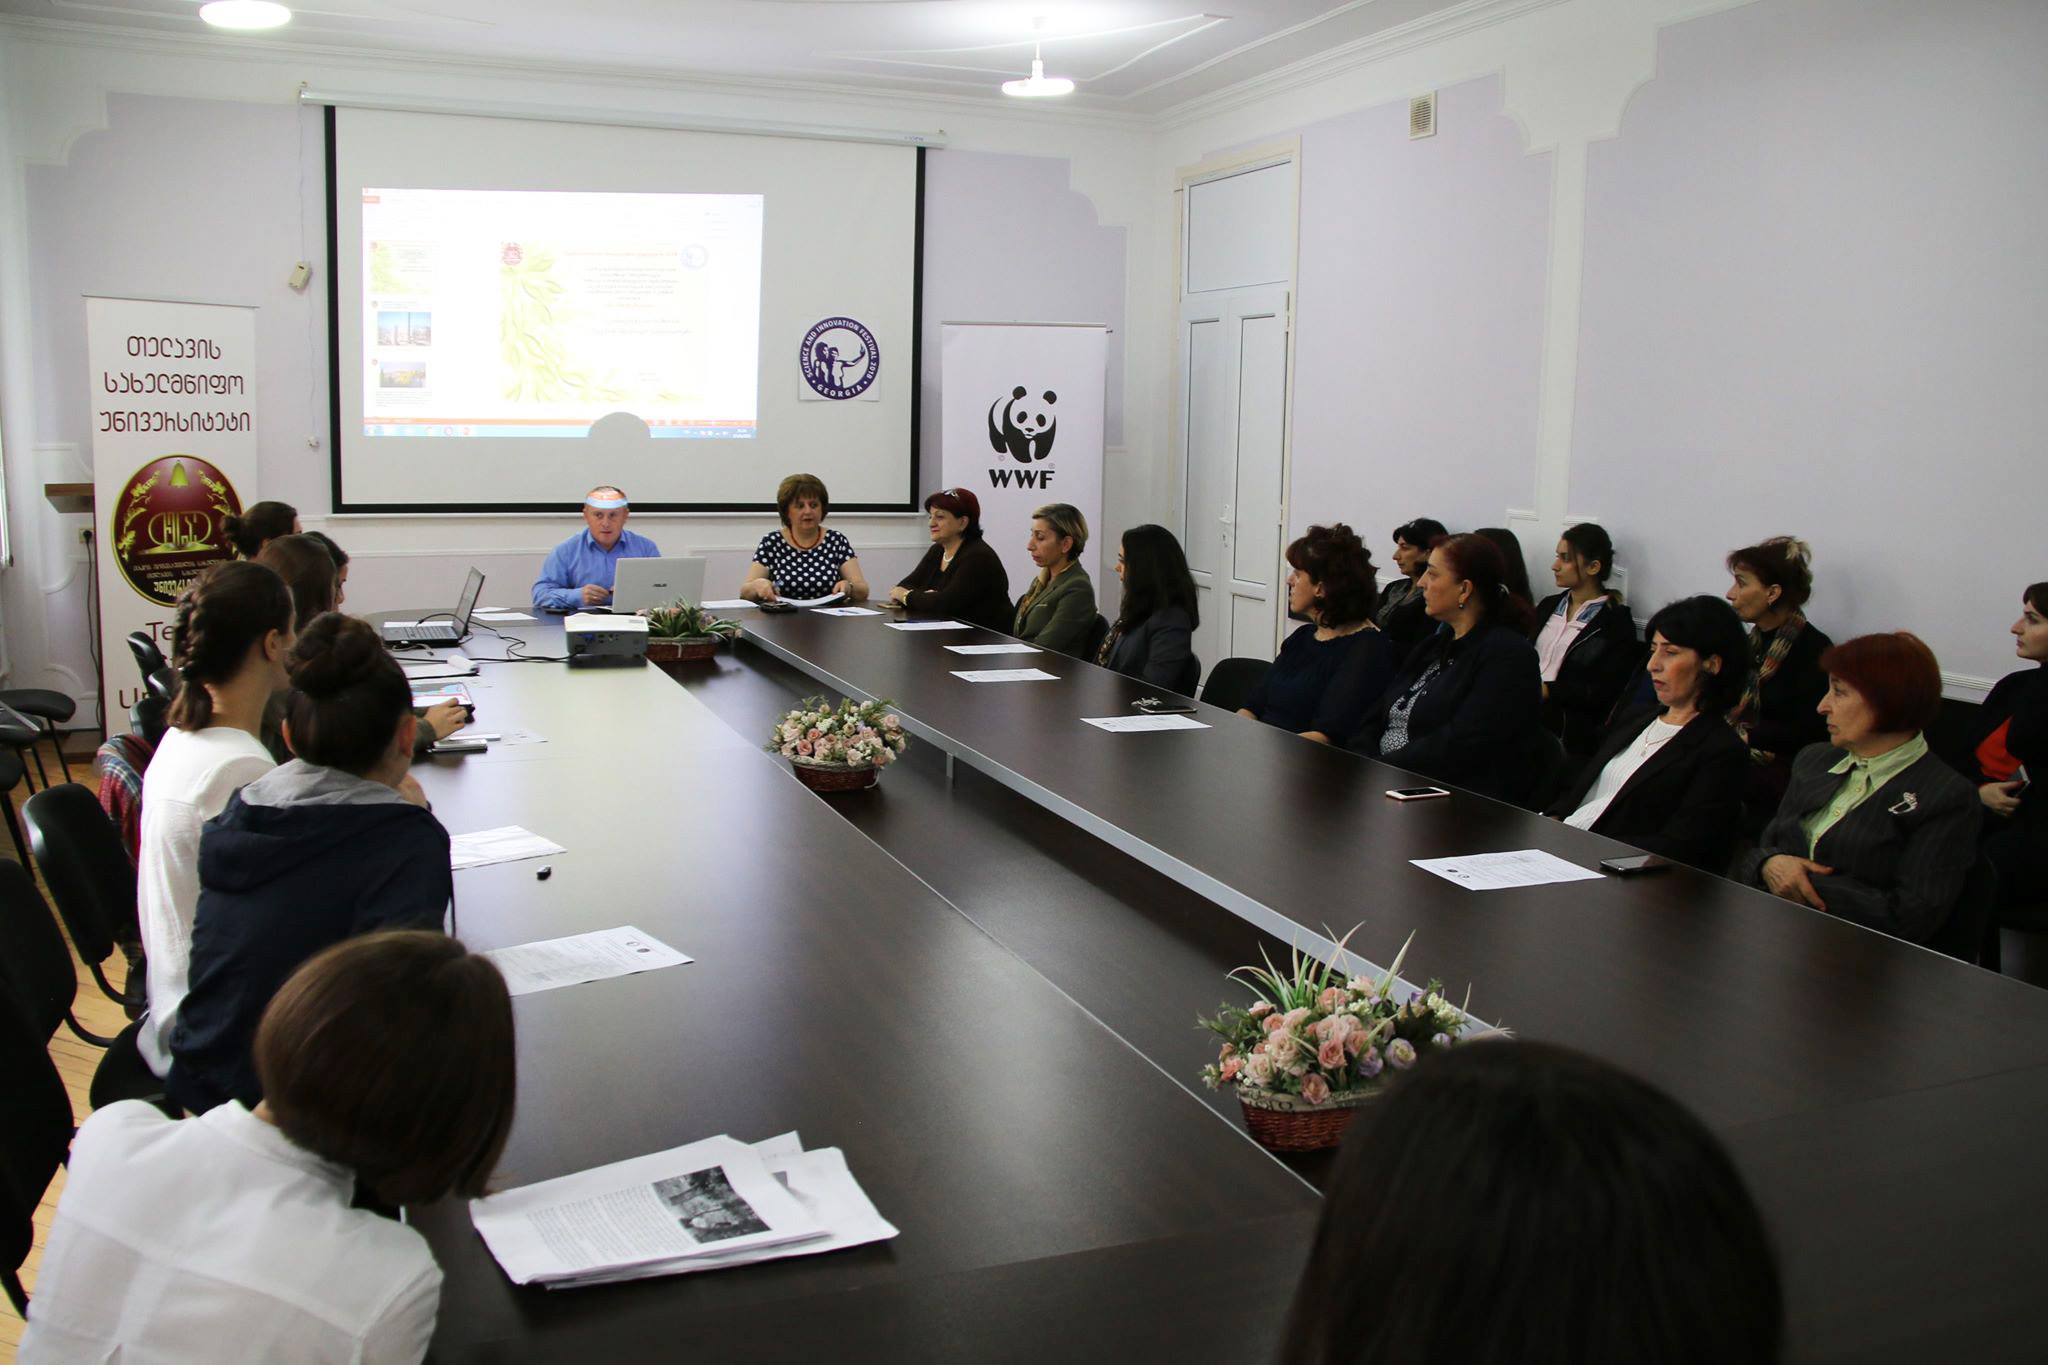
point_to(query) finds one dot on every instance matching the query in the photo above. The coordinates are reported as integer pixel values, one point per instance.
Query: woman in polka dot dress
(803, 560)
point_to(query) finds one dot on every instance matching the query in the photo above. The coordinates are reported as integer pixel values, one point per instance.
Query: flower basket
(1288, 1123)
(835, 777)
(840, 748)
(682, 649)
(1312, 1048)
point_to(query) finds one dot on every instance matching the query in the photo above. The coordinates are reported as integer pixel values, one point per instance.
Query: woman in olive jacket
(1058, 609)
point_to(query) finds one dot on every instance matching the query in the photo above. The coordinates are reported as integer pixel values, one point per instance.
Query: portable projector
(606, 641)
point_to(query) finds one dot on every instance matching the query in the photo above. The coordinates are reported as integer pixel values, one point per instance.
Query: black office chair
(162, 684)
(93, 883)
(1545, 768)
(48, 710)
(1091, 643)
(148, 719)
(148, 657)
(36, 966)
(1970, 933)
(19, 734)
(11, 775)
(34, 1141)
(1232, 682)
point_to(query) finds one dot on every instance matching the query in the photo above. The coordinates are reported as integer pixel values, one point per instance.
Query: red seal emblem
(170, 525)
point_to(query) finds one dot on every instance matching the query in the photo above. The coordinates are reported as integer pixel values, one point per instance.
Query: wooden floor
(75, 1062)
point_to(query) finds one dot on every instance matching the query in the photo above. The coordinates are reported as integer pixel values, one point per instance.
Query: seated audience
(1873, 828)
(330, 846)
(580, 571)
(1332, 669)
(340, 557)
(1152, 638)
(1459, 1221)
(1776, 716)
(803, 560)
(2009, 749)
(1669, 778)
(259, 524)
(229, 640)
(1585, 640)
(387, 1068)
(309, 567)
(1512, 560)
(1399, 613)
(961, 576)
(1465, 706)
(1057, 611)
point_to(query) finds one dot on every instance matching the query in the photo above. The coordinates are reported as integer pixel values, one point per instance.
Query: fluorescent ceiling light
(245, 14)
(1039, 84)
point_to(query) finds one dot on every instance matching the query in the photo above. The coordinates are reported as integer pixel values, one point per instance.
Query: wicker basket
(834, 777)
(682, 649)
(1288, 1123)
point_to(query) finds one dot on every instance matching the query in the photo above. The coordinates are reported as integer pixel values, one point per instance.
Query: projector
(606, 641)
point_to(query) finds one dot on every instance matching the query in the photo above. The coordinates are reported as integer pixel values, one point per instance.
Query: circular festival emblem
(170, 525)
(839, 358)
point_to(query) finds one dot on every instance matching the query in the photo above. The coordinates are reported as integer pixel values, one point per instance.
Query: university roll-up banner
(1022, 424)
(173, 389)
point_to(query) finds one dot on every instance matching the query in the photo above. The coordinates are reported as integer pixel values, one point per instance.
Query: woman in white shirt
(1669, 778)
(386, 1061)
(1585, 640)
(228, 646)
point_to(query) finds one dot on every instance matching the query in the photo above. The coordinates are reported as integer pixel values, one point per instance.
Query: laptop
(643, 583)
(441, 632)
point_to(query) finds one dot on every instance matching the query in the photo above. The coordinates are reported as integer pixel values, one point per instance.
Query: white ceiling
(1142, 56)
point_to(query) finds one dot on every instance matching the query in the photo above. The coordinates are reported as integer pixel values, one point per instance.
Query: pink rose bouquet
(1310, 1033)
(852, 734)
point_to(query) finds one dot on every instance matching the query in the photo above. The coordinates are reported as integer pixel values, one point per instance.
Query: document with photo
(713, 1196)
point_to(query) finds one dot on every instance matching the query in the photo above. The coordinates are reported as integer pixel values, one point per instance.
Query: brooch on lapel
(1905, 805)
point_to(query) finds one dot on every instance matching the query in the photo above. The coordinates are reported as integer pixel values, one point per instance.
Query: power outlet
(85, 535)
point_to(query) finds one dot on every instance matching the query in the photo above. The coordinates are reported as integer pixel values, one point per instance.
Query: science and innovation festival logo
(840, 358)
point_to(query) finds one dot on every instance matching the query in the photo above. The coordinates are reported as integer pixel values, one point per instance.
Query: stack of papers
(728, 604)
(505, 844)
(499, 615)
(705, 1206)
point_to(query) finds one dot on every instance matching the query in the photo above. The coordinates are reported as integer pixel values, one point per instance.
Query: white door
(1234, 420)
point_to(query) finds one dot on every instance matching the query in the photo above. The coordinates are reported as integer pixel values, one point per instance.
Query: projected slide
(510, 313)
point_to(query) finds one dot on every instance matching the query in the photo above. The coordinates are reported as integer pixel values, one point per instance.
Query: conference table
(979, 980)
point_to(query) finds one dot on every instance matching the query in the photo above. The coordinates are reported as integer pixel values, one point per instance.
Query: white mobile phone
(1416, 793)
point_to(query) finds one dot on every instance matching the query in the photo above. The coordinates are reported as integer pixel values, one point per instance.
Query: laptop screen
(471, 590)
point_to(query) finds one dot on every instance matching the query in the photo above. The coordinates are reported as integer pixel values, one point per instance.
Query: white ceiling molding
(618, 118)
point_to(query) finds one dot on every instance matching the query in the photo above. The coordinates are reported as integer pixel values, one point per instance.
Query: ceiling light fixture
(1038, 85)
(245, 15)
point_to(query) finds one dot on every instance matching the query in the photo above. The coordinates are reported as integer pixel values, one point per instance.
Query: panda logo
(1026, 435)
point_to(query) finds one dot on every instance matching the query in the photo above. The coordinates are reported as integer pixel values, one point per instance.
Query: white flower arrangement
(851, 734)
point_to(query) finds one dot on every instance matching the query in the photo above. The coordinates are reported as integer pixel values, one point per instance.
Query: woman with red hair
(1873, 827)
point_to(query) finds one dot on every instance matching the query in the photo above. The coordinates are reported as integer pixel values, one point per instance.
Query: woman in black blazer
(1464, 707)
(1874, 827)
(961, 575)
(2009, 758)
(1669, 778)
(1152, 638)
(1585, 641)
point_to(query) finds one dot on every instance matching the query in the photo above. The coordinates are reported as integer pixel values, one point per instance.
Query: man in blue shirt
(579, 571)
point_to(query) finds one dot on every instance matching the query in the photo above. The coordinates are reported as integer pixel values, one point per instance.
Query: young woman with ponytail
(229, 639)
(1585, 640)
(334, 844)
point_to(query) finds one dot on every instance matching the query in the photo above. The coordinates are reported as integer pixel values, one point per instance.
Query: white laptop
(644, 583)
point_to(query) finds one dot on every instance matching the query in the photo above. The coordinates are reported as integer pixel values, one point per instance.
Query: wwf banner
(173, 393)
(1022, 425)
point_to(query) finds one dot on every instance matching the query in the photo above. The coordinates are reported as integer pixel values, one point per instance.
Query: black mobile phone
(1646, 862)
(1164, 706)
(1417, 793)
(777, 608)
(455, 744)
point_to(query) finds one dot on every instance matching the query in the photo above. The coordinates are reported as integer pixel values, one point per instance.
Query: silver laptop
(441, 632)
(644, 583)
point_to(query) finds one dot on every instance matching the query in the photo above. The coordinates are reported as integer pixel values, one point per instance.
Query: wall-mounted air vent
(1422, 115)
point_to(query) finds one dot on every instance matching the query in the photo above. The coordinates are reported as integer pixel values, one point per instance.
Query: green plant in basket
(857, 734)
(681, 620)
(1311, 1034)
